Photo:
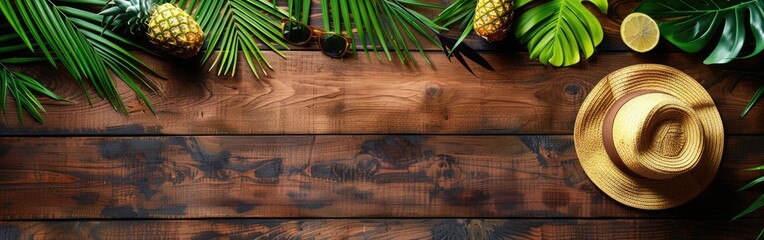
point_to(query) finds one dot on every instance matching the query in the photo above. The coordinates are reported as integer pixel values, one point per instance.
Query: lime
(640, 32)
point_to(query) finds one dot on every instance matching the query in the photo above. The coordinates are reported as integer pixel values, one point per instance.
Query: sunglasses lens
(296, 33)
(333, 44)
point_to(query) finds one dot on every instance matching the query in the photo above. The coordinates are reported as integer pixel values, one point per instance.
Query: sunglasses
(332, 44)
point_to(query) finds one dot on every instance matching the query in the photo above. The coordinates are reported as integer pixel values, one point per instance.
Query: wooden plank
(312, 94)
(328, 176)
(386, 229)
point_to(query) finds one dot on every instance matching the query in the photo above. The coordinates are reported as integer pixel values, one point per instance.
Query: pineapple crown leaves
(130, 13)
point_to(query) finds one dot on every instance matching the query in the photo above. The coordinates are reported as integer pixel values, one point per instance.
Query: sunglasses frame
(315, 33)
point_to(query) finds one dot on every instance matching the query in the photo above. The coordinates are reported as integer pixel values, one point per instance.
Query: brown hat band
(607, 128)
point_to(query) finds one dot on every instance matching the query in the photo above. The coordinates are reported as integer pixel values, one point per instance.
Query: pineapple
(168, 27)
(493, 18)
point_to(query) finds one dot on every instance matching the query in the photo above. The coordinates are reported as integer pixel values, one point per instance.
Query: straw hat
(649, 136)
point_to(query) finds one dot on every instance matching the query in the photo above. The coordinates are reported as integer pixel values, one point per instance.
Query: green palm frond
(72, 38)
(460, 14)
(58, 38)
(389, 24)
(107, 43)
(299, 10)
(754, 99)
(22, 88)
(17, 85)
(233, 26)
(756, 204)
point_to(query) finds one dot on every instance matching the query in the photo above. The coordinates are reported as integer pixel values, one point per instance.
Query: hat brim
(636, 191)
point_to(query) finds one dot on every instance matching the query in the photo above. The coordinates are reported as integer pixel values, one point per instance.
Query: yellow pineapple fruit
(168, 27)
(493, 19)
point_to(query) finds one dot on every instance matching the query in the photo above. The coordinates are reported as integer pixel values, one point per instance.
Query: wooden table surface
(357, 148)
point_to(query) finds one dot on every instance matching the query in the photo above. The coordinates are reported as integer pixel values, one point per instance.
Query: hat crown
(661, 133)
(657, 136)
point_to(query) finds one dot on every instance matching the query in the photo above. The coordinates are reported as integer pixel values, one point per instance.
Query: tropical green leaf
(692, 24)
(755, 168)
(71, 38)
(22, 88)
(755, 205)
(462, 12)
(299, 10)
(740, 74)
(7, 10)
(753, 101)
(759, 202)
(387, 24)
(233, 26)
(557, 32)
(107, 45)
(752, 183)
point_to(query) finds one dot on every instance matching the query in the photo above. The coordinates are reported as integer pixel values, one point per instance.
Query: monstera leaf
(690, 25)
(557, 31)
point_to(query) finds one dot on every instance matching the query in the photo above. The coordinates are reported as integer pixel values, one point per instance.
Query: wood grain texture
(312, 94)
(328, 176)
(143, 184)
(386, 229)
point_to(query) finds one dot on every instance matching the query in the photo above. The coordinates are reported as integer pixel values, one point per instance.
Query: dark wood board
(386, 229)
(318, 95)
(314, 151)
(532, 176)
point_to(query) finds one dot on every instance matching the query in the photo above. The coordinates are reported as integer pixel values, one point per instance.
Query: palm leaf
(752, 183)
(755, 205)
(461, 12)
(233, 26)
(740, 74)
(691, 25)
(386, 25)
(22, 88)
(753, 101)
(451, 47)
(556, 32)
(755, 168)
(107, 45)
(73, 38)
(299, 10)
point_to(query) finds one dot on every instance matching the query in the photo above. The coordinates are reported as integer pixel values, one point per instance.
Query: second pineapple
(493, 19)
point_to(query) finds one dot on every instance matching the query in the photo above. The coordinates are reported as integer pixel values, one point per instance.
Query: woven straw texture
(697, 131)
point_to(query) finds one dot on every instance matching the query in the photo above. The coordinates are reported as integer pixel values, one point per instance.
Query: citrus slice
(640, 32)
